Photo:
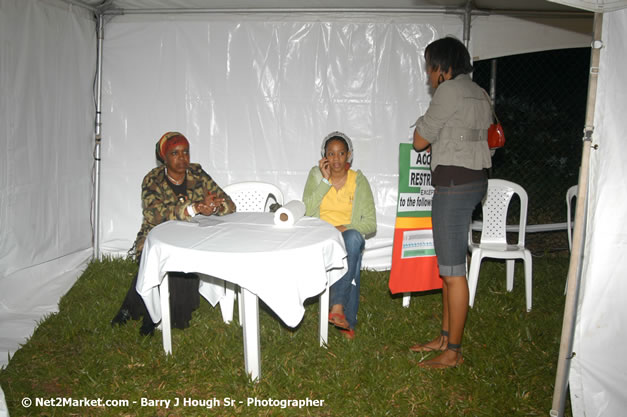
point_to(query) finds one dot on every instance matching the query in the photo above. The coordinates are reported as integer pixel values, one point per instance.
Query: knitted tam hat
(167, 142)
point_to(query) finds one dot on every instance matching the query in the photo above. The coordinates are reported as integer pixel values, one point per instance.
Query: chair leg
(406, 299)
(238, 293)
(226, 304)
(473, 276)
(510, 265)
(528, 279)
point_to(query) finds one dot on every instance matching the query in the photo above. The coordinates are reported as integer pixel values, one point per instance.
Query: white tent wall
(598, 374)
(255, 95)
(47, 65)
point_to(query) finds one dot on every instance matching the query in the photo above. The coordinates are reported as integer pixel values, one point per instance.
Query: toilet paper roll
(289, 214)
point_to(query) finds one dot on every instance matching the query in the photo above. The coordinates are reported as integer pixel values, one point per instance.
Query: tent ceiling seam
(453, 11)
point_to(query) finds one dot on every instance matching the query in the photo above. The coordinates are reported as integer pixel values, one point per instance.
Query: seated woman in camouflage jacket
(176, 190)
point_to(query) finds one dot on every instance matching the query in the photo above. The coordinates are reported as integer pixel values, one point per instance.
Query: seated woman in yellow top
(341, 196)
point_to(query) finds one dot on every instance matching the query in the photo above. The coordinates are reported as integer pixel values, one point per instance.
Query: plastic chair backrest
(495, 207)
(253, 196)
(570, 194)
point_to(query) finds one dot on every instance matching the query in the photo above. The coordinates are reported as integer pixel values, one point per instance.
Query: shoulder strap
(491, 106)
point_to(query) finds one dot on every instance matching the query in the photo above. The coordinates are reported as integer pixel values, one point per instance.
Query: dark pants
(451, 213)
(184, 299)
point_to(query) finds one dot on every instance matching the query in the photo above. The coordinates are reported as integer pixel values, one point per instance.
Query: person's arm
(441, 109)
(364, 218)
(159, 203)
(315, 190)
(420, 143)
(210, 193)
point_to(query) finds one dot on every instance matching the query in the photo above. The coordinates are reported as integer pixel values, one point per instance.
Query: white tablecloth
(282, 266)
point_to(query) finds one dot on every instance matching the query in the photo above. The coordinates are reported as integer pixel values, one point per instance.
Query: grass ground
(509, 369)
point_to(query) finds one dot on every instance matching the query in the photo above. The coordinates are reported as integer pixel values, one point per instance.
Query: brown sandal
(422, 347)
(433, 364)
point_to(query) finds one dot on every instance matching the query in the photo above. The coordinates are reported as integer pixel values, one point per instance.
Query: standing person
(176, 190)
(455, 126)
(341, 196)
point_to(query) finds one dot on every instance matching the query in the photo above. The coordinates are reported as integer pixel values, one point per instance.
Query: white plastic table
(283, 266)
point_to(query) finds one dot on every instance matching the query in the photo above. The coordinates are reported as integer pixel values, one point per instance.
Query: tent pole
(287, 10)
(467, 18)
(566, 353)
(98, 136)
(493, 67)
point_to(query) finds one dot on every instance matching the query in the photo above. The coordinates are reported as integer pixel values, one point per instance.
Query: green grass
(509, 369)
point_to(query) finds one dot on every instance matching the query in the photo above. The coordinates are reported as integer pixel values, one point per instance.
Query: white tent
(254, 85)
(593, 357)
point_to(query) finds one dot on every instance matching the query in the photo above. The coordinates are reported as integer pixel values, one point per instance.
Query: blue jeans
(343, 291)
(451, 213)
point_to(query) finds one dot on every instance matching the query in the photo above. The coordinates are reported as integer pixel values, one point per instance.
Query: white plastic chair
(493, 242)
(249, 197)
(253, 196)
(570, 194)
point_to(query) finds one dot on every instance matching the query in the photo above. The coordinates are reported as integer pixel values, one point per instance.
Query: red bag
(496, 135)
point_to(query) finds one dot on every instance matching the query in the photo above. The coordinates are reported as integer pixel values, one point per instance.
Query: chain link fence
(541, 103)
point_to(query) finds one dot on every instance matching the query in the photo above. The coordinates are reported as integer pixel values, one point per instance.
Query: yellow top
(337, 205)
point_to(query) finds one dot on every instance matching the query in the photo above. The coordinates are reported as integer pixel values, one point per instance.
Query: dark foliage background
(541, 103)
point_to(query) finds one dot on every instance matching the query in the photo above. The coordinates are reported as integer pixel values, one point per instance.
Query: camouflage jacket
(160, 204)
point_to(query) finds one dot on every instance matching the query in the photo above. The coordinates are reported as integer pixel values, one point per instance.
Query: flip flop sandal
(339, 320)
(422, 347)
(349, 334)
(439, 365)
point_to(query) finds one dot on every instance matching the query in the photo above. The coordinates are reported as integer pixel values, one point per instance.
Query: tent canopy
(499, 27)
(419, 5)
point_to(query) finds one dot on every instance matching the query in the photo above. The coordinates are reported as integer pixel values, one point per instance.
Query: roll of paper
(289, 214)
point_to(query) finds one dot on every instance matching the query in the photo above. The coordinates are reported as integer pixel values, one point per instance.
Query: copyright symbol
(26, 402)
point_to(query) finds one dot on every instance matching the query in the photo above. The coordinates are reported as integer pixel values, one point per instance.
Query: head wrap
(167, 142)
(334, 135)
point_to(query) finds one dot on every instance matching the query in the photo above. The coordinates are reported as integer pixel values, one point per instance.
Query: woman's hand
(341, 228)
(420, 143)
(210, 205)
(323, 164)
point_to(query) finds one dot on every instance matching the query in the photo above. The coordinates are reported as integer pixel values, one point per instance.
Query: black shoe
(148, 327)
(121, 318)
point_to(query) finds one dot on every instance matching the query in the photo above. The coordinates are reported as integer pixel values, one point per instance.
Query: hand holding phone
(323, 164)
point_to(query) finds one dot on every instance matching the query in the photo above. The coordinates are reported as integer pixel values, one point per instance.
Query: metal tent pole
(467, 19)
(98, 136)
(493, 67)
(574, 268)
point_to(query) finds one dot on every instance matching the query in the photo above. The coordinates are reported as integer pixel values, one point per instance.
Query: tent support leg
(98, 137)
(574, 268)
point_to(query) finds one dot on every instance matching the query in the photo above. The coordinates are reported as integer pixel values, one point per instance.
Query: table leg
(324, 317)
(252, 351)
(166, 329)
